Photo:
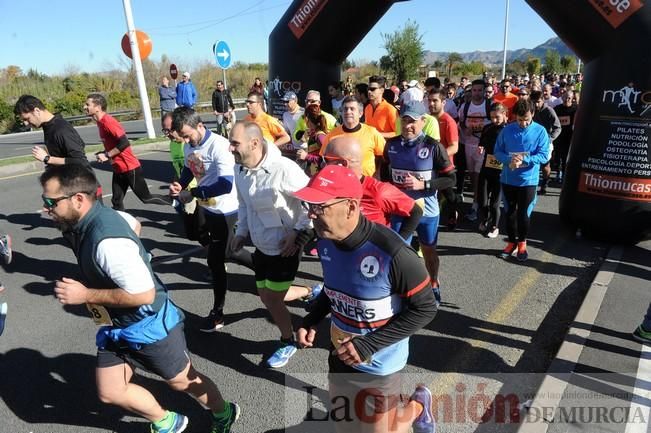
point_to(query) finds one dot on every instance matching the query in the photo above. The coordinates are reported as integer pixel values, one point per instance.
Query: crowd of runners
(361, 187)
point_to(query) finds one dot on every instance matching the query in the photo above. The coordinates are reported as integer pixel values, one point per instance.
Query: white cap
(412, 83)
(186, 74)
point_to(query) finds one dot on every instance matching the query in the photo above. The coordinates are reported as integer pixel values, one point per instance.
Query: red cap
(333, 181)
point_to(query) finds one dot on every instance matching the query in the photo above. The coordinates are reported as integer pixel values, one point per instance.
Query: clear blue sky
(45, 35)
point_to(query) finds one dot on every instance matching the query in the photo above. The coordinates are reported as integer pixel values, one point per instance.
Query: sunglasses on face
(248, 101)
(50, 203)
(373, 89)
(312, 101)
(319, 209)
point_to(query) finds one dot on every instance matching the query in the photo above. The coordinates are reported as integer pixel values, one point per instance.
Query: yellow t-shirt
(369, 138)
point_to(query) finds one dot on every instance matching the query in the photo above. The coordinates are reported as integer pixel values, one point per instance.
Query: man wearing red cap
(378, 294)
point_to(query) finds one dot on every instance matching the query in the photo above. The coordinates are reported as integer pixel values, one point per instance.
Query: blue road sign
(222, 54)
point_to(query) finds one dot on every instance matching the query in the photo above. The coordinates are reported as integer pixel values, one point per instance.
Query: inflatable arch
(607, 190)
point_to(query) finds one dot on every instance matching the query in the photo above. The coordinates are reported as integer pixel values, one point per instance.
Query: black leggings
(134, 179)
(489, 197)
(217, 234)
(520, 201)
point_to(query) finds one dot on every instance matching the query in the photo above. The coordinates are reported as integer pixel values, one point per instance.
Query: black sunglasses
(50, 203)
(373, 89)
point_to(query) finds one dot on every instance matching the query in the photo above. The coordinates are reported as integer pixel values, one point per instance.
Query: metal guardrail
(236, 102)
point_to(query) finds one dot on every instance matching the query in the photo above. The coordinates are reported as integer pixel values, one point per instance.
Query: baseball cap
(186, 74)
(333, 181)
(413, 83)
(413, 109)
(289, 96)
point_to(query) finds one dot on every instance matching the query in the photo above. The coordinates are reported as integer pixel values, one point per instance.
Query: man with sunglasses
(379, 113)
(506, 98)
(378, 295)
(275, 221)
(271, 128)
(141, 325)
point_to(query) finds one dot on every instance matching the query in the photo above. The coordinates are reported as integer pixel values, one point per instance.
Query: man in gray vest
(142, 327)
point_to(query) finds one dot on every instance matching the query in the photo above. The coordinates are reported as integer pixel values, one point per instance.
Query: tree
(405, 50)
(517, 67)
(386, 64)
(568, 63)
(533, 65)
(453, 59)
(552, 62)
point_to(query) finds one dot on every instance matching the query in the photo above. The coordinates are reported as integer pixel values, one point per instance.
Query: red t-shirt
(110, 131)
(381, 199)
(449, 131)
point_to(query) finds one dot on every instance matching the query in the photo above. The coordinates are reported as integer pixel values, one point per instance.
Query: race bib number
(565, 120)
(476, 124)
(399, 176)
(492, 162)
(99, 314)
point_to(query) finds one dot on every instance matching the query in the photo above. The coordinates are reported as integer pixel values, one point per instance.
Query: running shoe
(472, 215)
(280, 358)
(178, 425)
(507, 252)
(425, 422)
(493, 233)
(522, 254)
(224, 425)
(3, 316)
(212, 323)
(640, 334)
(5, 248)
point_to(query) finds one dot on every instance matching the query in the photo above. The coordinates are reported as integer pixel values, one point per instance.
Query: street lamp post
(506, 33)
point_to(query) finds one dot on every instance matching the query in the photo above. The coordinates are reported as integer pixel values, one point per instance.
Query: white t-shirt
(120, 259)
(209, 161)
(477, 119)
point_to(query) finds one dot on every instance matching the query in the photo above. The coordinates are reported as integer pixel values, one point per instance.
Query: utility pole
(140, 77)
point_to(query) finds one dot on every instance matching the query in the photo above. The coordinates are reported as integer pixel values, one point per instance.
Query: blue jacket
(186, 94)
(533, 141)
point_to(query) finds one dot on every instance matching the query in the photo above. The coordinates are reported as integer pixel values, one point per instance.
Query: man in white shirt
(291, 116)
(274, 219)
(208, 160)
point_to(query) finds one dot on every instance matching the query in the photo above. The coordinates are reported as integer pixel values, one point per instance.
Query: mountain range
(495, 57)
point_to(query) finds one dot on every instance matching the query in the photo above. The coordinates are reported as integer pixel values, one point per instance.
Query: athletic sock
(165, 422)
(223, 415)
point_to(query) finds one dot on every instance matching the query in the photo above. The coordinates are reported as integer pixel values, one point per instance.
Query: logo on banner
(616, 11)
(305, 15)
(280, 87)
(629, 99)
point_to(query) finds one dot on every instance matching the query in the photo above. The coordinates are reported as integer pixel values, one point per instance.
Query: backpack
(466, 107)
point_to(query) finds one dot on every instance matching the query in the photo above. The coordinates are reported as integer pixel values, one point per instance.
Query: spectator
(186, 94)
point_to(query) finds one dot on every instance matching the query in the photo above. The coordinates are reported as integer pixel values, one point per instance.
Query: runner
(144, 327)
(521, 147)
(6, 252)
(367, 268)
(275, 221)
(208, 160)
(489, 176)
(420, 166)
(127, 171)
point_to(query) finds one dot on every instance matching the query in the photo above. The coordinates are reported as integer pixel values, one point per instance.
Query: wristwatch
(46, 159)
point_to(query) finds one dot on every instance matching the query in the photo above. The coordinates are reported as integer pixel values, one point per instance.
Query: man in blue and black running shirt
(378, 294)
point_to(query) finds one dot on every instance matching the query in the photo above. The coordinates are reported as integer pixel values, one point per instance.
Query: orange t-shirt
(382, 118)
(271, 127)
(508, 101)
(369, 138)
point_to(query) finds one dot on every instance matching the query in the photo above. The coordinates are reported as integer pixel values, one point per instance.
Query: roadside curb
(552, 388)
(36, 166)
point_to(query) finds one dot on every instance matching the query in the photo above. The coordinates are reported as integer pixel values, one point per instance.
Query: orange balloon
(144, 45)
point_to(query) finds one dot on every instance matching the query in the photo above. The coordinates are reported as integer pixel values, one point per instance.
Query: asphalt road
(20, 144)
(496, 332)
